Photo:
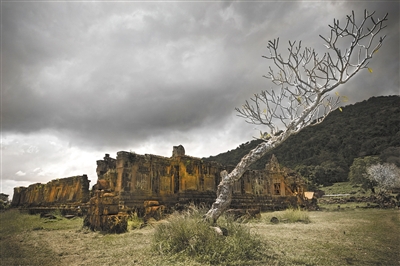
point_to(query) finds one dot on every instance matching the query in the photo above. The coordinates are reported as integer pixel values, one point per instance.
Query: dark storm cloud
(106, 76)
(111, 68)
(139, 71)
(385, 79)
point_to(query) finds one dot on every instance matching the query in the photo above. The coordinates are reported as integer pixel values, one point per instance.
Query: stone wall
(65, 191)
(105, 165)
(182, 179)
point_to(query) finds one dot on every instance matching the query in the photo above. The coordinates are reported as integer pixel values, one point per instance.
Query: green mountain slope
(324, 152)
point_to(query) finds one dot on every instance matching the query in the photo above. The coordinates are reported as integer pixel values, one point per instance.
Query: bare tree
(304, 82)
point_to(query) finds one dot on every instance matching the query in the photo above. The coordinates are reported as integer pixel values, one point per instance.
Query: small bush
(294, 216)
(4, 205)
(188, 236)
(134, 222)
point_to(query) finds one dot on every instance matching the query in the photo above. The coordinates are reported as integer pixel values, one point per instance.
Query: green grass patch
(134, 222)
(345, 188)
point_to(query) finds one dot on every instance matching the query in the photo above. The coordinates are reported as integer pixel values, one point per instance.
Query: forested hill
(325, 152)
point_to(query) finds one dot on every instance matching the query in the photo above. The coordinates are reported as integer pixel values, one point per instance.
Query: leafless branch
(304, 78)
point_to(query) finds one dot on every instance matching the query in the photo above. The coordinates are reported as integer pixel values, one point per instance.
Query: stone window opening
(277, 188)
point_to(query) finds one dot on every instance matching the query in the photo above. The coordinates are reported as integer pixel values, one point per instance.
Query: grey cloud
(119, 92)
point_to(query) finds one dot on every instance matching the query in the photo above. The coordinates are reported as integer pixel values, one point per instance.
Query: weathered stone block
(151, 203)
(155, 212)
(111, 209)
(104, 214)
(109, 200)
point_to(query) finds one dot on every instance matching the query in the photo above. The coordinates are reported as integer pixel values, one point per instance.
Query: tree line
(324, 153)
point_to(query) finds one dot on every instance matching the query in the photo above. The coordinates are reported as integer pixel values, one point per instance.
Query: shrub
(134, 222)
(188, 236)
(4, 205)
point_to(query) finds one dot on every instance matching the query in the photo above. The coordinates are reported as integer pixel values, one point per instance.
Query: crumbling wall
(181, 179)
(104, 213)
(178, 151)
(67, 191)
(103, 166)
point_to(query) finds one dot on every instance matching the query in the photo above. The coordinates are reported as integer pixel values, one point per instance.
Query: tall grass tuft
(134, 222)
(292, 215)
(187, 236)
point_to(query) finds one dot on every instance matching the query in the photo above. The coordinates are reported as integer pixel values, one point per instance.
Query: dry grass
(66, 242)
(357, 237)
(290, 215)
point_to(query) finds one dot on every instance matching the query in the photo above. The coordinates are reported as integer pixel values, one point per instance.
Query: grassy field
(354, 237)
(343, 188)
(345, 237)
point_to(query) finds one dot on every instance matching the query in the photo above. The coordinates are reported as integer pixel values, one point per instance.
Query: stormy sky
(81, 79)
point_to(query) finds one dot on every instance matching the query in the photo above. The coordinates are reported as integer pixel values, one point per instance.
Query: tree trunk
(224, 191)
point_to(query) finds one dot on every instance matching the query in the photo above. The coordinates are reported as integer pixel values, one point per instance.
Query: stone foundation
(104, 215)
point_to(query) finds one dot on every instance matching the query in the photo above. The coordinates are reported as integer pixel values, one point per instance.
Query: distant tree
(358, 172)
(4, 205)
(308, 172)
(385, 176)
(330, 173)
(325, 174)
(305, 82)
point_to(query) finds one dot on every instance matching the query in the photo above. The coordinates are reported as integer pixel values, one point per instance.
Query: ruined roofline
(55, 180)
(127, 153)
(146, 155)
(31, 185)
(70, 177)
(177, 151)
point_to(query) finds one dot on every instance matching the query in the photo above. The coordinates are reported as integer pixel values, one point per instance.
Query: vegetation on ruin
(134, 222)
(351, 235)
(325, 152)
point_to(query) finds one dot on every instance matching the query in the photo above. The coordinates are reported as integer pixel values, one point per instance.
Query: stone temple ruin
(150, 185)
(65, 194)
